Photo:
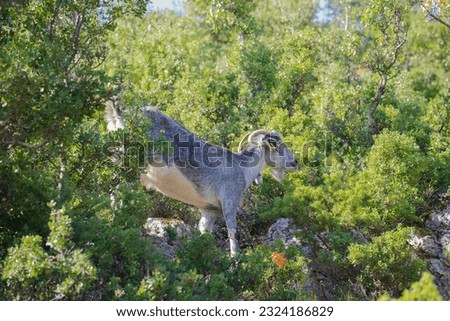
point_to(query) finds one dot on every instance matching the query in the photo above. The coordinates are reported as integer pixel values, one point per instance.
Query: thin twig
(32, 146)
(435, 17)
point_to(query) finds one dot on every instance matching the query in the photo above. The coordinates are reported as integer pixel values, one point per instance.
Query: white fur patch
(278, 174)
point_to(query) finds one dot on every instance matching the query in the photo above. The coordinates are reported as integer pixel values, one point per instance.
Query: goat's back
(164, 126)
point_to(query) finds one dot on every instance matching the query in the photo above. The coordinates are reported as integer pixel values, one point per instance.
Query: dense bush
(201, 271)
(62, 272)
(387, 191)
(387, 263)
(358, 90)
(422, 290)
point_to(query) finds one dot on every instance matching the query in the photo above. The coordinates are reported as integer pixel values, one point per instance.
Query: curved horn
(257, 132)
(251, 136)
(242, 141)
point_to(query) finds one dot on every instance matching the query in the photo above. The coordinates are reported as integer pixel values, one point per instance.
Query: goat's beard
(278, 174)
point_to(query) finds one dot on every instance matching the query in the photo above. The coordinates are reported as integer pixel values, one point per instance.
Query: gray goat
(209, 177)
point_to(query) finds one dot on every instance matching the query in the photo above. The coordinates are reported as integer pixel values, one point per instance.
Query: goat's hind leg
(209, 217)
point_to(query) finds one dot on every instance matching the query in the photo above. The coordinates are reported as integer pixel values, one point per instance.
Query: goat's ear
(109, 111)
(113, 117)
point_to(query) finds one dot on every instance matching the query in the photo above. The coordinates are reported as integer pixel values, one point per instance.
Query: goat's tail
(113, 116)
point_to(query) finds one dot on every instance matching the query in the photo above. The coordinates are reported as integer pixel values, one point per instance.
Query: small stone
(437, 267)
(440, 220)
(426, 244)
(445, 241)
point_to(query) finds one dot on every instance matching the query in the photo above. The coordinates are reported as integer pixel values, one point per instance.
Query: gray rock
(435, 249)
(445, 241)
(439, 268)
(426, 244)
(159, 227)
(166, 233)
(439, 221)
(284, 230)
(432, 243)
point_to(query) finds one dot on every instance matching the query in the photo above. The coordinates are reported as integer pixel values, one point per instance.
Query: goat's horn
(256, 133)
(242, 142)
(250, 137)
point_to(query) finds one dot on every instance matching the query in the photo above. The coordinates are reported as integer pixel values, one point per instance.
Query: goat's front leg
(229, 214)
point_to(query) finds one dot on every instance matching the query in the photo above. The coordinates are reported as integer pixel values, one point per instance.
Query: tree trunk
(373, 124)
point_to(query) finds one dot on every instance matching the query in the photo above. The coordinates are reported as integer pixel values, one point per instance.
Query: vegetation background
(358, 89)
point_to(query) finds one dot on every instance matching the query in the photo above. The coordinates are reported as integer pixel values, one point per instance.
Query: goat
(209, 177)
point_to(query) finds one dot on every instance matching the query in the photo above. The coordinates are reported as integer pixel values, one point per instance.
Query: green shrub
(114, 241)
(62, 272)
(387, 263)
(201, 253)
(24, 193)
(387, 191)
(260, 276)
(200, 271)
(422, 290)
(203, 272)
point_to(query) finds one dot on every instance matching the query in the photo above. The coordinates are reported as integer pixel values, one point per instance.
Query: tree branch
(435, 17)
(373, 125)
(32, 146)
(62, 171)
(383, 71)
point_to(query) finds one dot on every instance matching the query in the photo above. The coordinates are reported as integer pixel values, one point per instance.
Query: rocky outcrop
(433, 243)
(166, 234)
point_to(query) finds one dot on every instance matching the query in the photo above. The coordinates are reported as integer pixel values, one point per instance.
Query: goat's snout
(293, 166)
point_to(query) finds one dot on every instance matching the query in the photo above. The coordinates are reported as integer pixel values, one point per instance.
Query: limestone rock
(166, 233)
(426, 244)
(284, 230)
(439, 221)
(435, 248)
(445, 241)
